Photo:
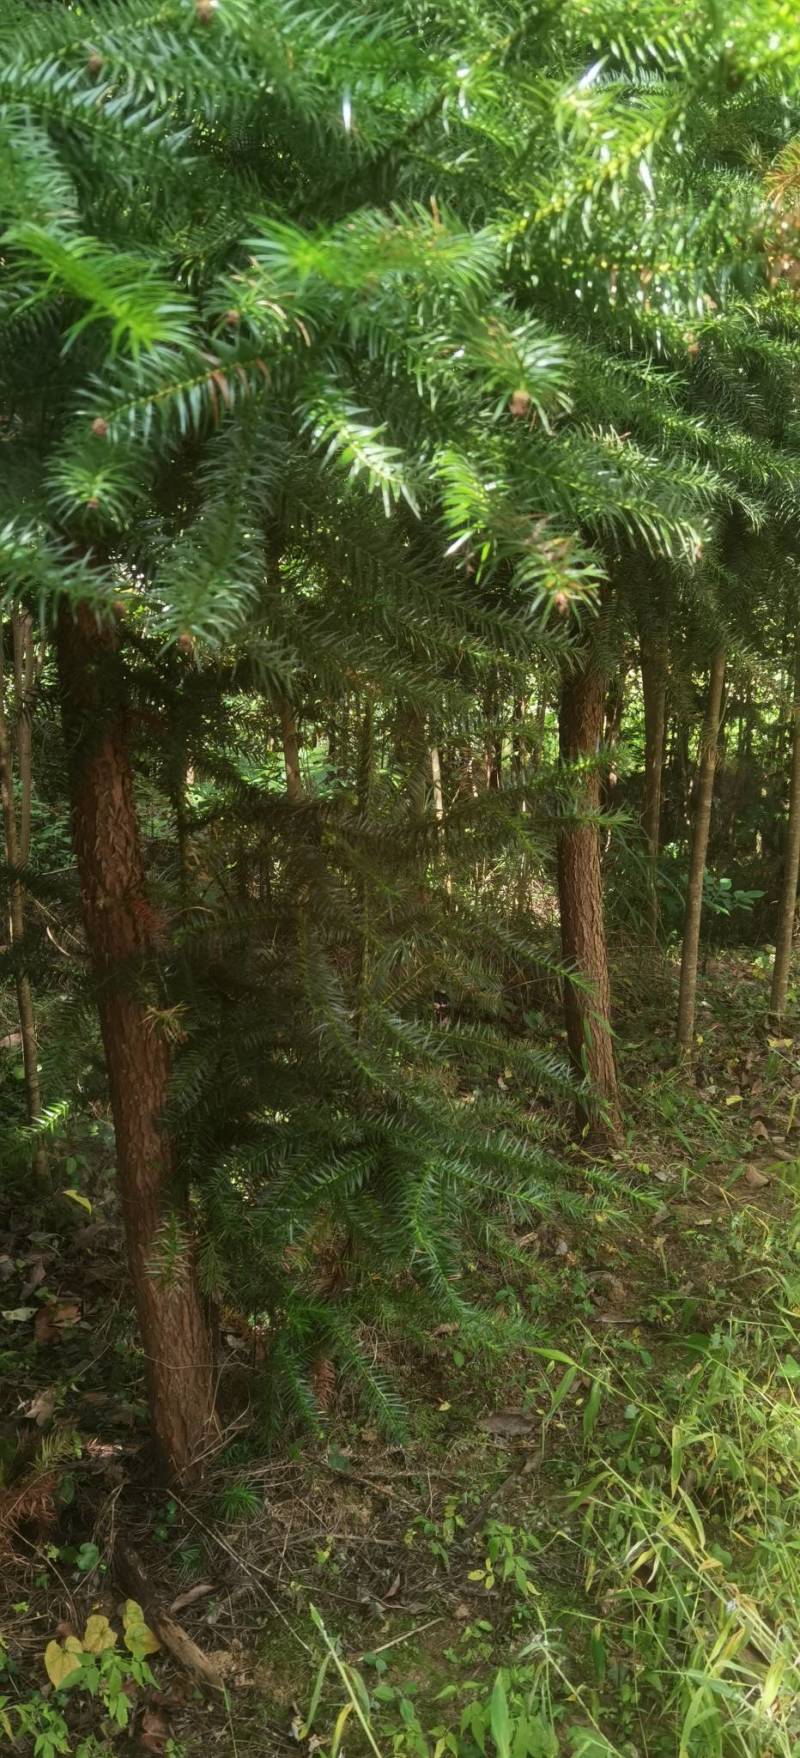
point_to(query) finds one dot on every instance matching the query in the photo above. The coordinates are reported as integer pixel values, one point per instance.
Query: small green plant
(507, 1559)
(92, 1666)
(438, 1535)
(239, 1501)
(164, 1527)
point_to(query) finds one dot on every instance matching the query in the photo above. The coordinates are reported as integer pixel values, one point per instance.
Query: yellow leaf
(139, 1638)
(98, 1635)
(341, 1723)
(773, 1682)
(734, 1099)
(60, 1663)
(77, 1198)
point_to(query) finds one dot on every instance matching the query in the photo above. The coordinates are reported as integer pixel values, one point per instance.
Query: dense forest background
(400, 774)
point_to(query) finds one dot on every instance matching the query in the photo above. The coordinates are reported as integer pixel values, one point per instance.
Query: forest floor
(589, 1544)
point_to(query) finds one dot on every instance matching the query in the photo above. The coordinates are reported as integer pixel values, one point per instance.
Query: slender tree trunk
(291, 751)
(178, 782)
(412, 755)
(25, 671)
(365, 781)
(438, 806)
(17, 845)
(436, 777)
(493, 742)
(518, 747)
(276, 583)
(613, 717)
(123, 936)
(784, 933)
(697, 862)
(540, 723)
(654, 694)
(580, 892)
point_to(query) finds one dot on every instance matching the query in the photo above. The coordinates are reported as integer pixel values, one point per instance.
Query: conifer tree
(343, 362)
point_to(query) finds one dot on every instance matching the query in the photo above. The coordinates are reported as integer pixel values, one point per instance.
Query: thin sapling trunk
(697, 863)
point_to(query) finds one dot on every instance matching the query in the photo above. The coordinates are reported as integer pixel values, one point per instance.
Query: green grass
(590, 1545)
(634, 1585)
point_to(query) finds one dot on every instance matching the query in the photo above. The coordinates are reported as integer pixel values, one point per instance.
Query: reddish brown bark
(122, 932)
(580, 892)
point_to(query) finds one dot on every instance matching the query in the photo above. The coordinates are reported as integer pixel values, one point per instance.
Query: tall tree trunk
(612, 729)
(438, 806)
(436, 778)
(518, 748)
(26, 670)
(540, 722)
(697, 861)
(653, 653)
(123, 935)
(365, 783)
(178, 780)
(17, 836)
(784, 933)
(291, 751)
(580, 893)
(412, 755)
(493, 738)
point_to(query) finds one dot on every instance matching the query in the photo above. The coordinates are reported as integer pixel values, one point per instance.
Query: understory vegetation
(400, 782)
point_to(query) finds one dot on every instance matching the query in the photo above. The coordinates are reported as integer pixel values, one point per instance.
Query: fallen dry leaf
(87, 1237)
(755, 1178)
(35, 1277)
(200, 1591)
(154, 1731)
(507, 1423)
(45, 1330)
(41, 1408)
(52, 1321)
